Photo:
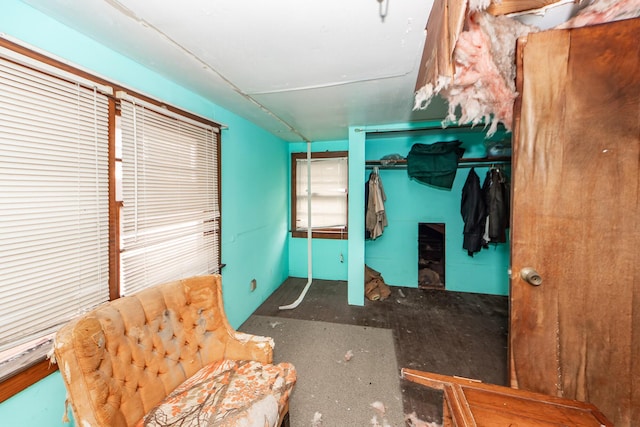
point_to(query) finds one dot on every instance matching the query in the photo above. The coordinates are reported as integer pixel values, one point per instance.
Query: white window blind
(54, 219)
(171, 215)
(329, 183)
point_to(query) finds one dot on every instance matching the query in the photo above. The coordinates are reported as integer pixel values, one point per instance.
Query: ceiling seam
(333, 84)
(336, 84)
(128, 12)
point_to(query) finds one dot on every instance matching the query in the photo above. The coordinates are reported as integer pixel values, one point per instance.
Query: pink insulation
(475, 5)
(483, 86)
(601, 11)
(482, 89)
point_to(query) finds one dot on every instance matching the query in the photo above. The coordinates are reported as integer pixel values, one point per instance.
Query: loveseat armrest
(242, 346)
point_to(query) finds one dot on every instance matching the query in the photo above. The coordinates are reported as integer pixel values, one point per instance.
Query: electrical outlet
(253, 285)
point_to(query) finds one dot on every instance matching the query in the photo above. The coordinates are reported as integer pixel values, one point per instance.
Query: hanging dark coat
(474, 214)
(496, 194)
(435, 164)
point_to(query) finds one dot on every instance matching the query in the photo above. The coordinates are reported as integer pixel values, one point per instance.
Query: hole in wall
(431, 262)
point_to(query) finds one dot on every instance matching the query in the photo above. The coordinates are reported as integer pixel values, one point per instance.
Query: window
(100, 195)
(54, 140)
(329, 193)
(170, 215)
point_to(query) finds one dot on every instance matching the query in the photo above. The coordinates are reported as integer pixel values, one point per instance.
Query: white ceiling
(303, 70)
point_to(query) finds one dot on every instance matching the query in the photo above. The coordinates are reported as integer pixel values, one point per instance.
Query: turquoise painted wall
(329, 256)
(254, 188)
(255, 200)
(41, 405)
(409, 202)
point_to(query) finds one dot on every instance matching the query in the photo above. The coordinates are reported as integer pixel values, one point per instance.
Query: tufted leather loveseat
(168, 356)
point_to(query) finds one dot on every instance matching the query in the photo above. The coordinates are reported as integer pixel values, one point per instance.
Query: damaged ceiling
(304, 71)
(469, 57)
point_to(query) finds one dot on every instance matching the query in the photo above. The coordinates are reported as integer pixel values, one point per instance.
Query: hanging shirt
(376, 217)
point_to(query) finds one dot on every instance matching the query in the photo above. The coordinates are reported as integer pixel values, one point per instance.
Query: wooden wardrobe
(575, 218)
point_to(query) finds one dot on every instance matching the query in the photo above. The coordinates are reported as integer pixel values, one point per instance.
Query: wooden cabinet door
(575, 214)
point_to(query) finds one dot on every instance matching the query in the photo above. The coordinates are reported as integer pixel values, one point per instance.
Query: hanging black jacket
(496, 194)
(474, 214)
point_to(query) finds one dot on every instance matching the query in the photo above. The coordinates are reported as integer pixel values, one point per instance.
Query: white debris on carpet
(379, 406)
(317, 420)
(381, 411)
(414, 421)
(376, 423)
(348, 356)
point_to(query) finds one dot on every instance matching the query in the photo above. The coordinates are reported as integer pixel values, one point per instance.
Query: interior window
(328, 192)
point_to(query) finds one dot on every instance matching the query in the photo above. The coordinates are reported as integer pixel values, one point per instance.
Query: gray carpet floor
(341, 391)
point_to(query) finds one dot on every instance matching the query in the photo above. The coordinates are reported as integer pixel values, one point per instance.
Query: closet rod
(377, 132)
(482, 164)
(468, 162)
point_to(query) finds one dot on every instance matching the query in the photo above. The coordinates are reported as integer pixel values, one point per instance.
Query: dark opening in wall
(431, 269)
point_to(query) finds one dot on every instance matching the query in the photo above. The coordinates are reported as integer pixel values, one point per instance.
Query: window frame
(40, 367)
(317, 233)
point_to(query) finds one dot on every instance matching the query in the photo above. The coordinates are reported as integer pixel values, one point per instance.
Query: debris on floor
(374, 287)
(348, 356)
(375, 423)
(428, 278)
(381, 409)
(317, 420)
(379, 406)
(274, 324)
(413, 421)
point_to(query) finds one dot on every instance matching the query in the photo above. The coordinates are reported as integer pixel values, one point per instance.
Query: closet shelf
(465, 162)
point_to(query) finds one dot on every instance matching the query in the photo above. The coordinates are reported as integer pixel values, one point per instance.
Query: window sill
(23, 379)
(25, 365)
(322, 234)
